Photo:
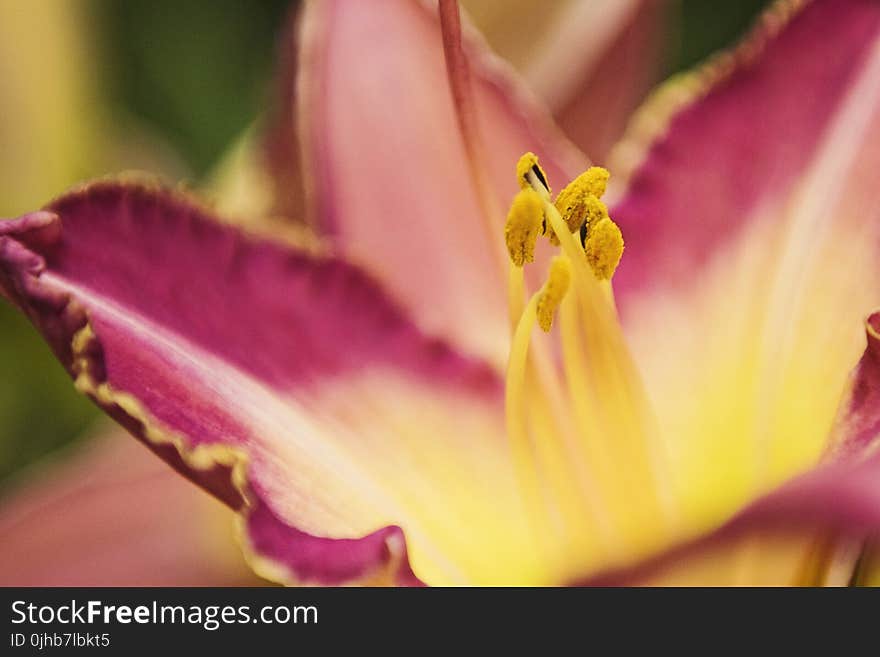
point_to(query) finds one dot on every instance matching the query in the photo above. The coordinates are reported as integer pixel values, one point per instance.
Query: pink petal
(111, 514)
(285, 383)
(281, 152)
(592, 85)
(593, 100)
(389, 168)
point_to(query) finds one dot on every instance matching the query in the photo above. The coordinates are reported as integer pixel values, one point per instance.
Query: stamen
(591, 212)
(516, 287)
(594, 212)
(527, 164)
(553, 488)
(553, 292)
(592, 181)
(571, 428)
(581, 196)
(524, 223)
(604, 248)
(517, 426)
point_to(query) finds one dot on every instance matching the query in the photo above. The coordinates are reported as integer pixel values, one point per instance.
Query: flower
(665, 429)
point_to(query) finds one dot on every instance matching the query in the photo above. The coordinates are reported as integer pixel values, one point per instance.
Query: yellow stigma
(553, 292)
(525, 222)
(581, 195)
(603, 248)
(528, 163)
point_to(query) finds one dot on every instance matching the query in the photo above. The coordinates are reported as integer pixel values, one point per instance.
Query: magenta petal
(223, 352)
(757, 118)
(857, 430)
(352, 561)
(752, 230)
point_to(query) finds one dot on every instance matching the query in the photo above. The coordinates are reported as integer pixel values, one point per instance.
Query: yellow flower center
(591, 471)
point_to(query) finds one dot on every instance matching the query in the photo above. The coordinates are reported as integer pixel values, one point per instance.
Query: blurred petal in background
(108, 513)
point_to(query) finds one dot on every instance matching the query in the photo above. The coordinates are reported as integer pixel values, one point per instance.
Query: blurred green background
(192, 75)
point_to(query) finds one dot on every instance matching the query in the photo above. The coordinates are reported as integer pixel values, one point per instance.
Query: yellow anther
(594, 181)
(594, 212)
(528, 163)
(553, 292)
(525, 222)
(603, 248)
(573, 201)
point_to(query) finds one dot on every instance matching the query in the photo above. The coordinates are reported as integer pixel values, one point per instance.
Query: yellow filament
(616, 463)
(559, 498)
(515, 290)
(517, 431)
(619, 384)
(553, 292)
(571, 504)
(581, 394)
